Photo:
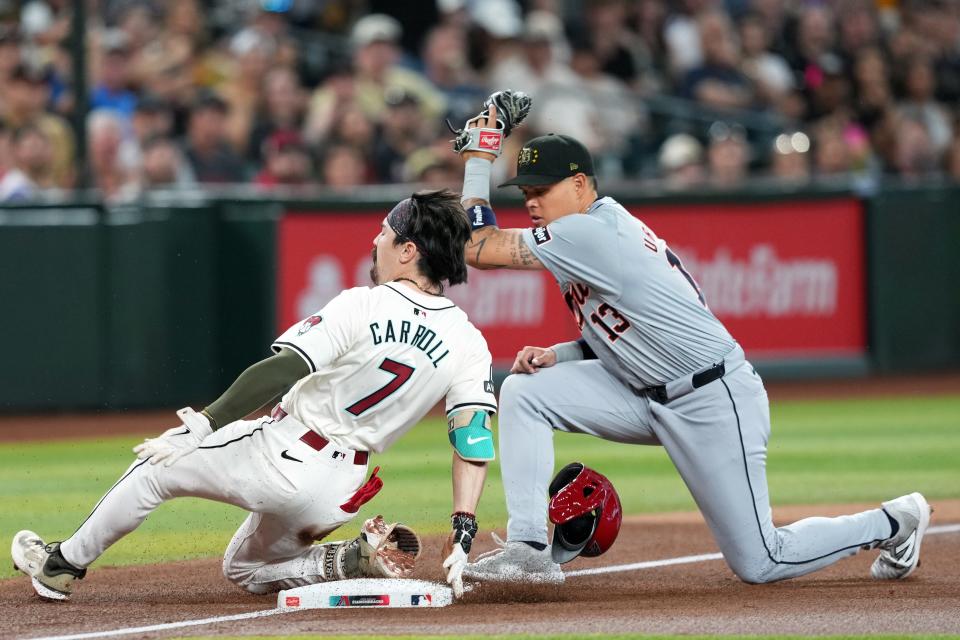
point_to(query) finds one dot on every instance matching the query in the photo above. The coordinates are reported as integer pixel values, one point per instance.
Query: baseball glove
(388, 550)
(512, 109)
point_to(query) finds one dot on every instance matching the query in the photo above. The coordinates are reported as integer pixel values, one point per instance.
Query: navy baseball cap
(550, 159)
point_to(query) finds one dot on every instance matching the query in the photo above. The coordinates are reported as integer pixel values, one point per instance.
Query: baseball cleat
(900, 555)
(52, 576)
(515, 561)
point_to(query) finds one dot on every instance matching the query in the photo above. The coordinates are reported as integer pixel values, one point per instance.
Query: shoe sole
(41, 589)
(516, 577)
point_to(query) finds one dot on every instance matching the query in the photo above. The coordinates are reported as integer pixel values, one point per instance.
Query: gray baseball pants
(716, 437)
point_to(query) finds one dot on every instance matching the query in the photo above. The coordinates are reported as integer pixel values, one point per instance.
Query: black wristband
(464, 529)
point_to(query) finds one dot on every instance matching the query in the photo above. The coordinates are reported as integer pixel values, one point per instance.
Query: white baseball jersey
(380, 359)
(638, 309)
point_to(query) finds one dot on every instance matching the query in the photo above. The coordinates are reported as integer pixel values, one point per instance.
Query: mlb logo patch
(293, 601)
(490, 141)
(541, 235)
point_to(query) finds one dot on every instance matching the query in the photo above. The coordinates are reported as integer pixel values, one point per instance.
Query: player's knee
(518, 389)
(752, 572)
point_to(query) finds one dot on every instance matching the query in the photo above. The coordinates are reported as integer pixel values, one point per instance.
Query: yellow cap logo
(528, 155)
(574, 166)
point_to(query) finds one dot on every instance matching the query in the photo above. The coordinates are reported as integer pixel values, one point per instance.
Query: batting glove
(175, 443)
(458, 548)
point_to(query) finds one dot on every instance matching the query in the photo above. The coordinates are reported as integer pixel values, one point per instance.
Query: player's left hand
(457, 549)
(532, 359)
(175, 443)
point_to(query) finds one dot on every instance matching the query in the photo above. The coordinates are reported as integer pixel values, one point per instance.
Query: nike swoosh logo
(476, 440)
(284, 454)
(904, 552)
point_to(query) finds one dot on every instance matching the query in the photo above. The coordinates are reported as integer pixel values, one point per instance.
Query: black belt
(658, 393)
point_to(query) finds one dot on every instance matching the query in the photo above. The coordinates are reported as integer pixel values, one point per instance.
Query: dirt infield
(702, 597)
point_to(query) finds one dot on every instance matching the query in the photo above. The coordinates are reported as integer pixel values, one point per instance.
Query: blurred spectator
(328, 103)
(244, 92)
(682, 36)
(152, 118)
(6, 149)
(913, 155)
(681, 161)
(435, 168)
(791, 157)
(376, 62)
(284, 106)
(343, 168)
(26, 98)
(769, 72)
(831, 155)
(873, 90)
(718, 82)
(597, 109)
(445, 65)
(287, 161)
(620, 52)
(831, 92)
(9, 53)
(112, 89)
(858, 27)
(31, 155)
(919, 103)
(402, 131)
(537, 66)
(208, 150)
(163, 166)
(727, 155)
(108, 172)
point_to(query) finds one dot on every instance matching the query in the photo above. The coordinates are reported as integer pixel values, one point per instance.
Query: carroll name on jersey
(420, 337)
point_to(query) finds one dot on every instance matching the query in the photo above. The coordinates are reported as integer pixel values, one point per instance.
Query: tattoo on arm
(491, 248)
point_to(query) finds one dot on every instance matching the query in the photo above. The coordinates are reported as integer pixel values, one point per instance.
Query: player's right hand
(489, 122)
(532, 359)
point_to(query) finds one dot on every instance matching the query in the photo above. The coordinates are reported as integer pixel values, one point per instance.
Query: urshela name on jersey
(422, 338)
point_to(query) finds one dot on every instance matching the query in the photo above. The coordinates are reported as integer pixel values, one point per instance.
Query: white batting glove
(177, 442)
(455, 564)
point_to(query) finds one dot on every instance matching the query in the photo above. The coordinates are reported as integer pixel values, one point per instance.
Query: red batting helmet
(585, 508)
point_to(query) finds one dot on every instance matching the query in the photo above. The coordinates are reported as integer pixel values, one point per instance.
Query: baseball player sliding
(354, 378)
(654, 366)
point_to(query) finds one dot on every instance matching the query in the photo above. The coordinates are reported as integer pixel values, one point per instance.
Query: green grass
(858, 450)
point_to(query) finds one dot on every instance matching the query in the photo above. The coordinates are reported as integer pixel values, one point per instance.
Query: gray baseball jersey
(638, 309)
(644, 317)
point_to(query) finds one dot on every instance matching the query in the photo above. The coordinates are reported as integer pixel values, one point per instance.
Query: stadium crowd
(300, 93)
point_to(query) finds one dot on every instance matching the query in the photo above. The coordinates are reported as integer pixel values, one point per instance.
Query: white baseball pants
(716, 437)
(293, 492)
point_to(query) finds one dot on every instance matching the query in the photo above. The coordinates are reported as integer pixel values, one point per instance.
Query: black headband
(399, 219)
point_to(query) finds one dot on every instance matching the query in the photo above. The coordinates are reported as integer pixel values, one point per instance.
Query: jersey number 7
(401, 373)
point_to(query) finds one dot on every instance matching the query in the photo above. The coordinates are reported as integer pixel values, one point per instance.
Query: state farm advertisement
(787, 278)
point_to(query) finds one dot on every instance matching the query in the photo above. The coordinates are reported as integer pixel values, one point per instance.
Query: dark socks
(894, 525)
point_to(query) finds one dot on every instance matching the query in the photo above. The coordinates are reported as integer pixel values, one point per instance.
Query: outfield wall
(164, 303)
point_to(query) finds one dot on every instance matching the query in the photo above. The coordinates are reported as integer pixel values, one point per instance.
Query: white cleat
(51, 575)
(515, 561)
(900, 555)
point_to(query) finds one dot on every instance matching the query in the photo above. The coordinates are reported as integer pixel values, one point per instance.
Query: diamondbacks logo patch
(541, 235)
(309, 323)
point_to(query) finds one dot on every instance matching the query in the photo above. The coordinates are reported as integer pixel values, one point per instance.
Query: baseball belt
(664, 393)
(316, 441)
